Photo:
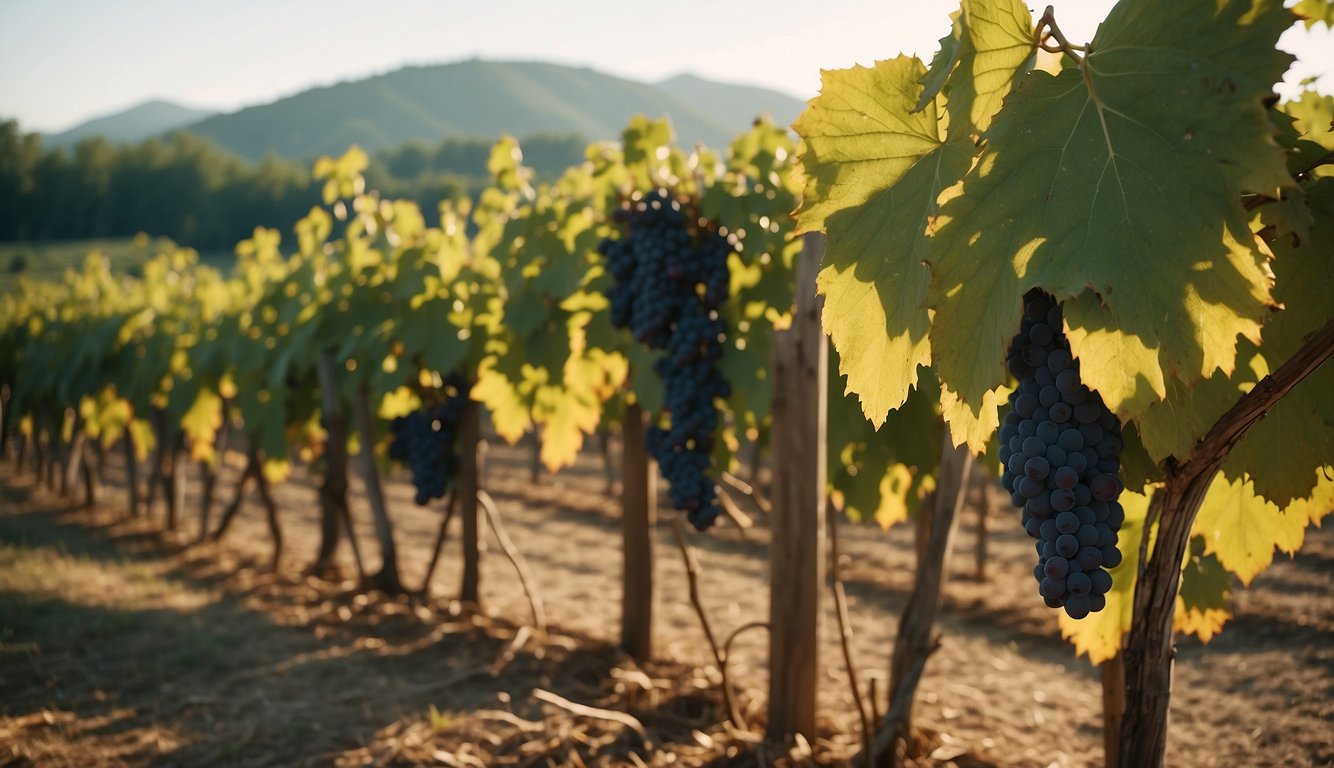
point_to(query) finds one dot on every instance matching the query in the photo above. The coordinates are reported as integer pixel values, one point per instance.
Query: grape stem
(1047, 31)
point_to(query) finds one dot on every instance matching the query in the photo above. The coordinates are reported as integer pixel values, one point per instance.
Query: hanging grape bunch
(669, 279)
(426, 440)
(1059, 450)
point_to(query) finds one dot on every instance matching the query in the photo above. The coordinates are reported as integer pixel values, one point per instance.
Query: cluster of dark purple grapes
(426, 440)
(1060, 449)
(669, 280)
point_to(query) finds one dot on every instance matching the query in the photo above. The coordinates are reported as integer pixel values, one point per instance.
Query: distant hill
(732, 104)
(131, 125)
(486, 99)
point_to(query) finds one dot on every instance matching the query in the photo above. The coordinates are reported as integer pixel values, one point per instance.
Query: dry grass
(122, 646)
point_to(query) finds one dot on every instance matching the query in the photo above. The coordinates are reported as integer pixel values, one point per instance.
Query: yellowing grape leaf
(145, 439)
(509, 412)
(873, 171)
(990, 45)
(1122, 176)
(565, 417)
(276, 470)
(1204, 602)
(1315, 12)
(201, 424)
(1243, 530)
(105, 416)
(1099, 634)
(1202, 605)
(973, 428)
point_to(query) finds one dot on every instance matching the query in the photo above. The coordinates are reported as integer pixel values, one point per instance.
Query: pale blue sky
(62, 61)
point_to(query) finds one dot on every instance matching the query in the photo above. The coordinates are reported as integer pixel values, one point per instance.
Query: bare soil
(122, 645)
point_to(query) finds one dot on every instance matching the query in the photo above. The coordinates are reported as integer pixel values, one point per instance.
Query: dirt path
(120, 650)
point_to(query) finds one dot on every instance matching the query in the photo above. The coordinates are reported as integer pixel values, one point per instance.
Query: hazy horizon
(368, 75)
(63, 62)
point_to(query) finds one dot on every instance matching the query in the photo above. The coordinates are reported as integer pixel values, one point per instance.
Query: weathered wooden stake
(469, 435)
(387, 578)
(1113, 707)
(639, 514)
(797, 559)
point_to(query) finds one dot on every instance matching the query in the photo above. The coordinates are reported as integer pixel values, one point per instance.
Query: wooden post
(797, 559)
(914, 642)
(5, 420)
(469, 434)
(208, 477)
(639, 514)
(984, 510)
(1113, 708)
(73, 462)
(333, 488)
(271, 513)
(176, 482)
(131, 470)
(386, 579)
(89, 478)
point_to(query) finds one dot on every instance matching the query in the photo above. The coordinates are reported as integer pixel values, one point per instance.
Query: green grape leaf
(1315, 12)
(873, 172)
(1243, 530)
(1297, 435)
(1075, 195)
(1204, 600)
(952, 47)
(882, 475)
(991, 45)
(1100, 634)
(1306, 132)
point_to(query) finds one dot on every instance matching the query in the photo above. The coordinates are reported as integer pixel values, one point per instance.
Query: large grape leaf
(1242, 530)
(990, 45)
(1278, 453)
(1297, 435)
(873, 171)
(1122, 177)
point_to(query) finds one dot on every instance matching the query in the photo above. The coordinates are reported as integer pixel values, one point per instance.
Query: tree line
(182, 187)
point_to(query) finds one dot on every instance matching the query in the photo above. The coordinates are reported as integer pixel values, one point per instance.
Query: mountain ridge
(475, 98)
(135, 123)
